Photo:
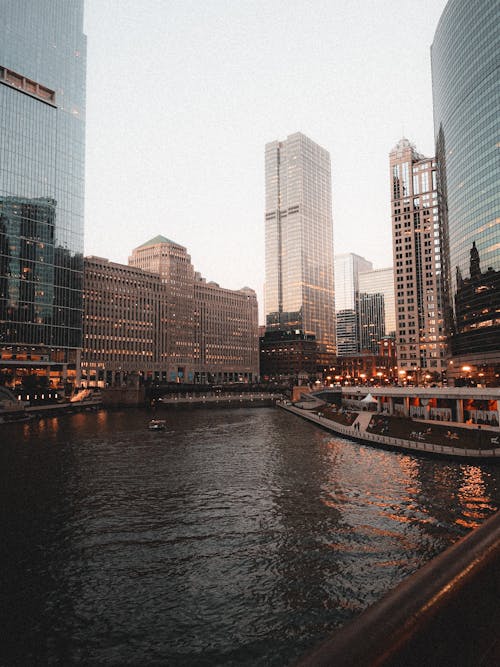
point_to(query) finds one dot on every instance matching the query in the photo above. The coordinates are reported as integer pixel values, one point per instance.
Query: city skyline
(193, 150)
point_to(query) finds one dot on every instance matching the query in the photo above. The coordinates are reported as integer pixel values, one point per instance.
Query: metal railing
(447, 613)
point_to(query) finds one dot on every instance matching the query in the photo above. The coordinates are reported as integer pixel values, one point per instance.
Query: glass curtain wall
(299, 291)
(42, 134)
(466, 125)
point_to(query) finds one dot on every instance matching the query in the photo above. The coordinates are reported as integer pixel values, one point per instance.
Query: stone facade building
(158, 320)
(416, 234)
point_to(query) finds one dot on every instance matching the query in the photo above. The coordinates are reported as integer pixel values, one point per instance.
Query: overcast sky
(182, 96)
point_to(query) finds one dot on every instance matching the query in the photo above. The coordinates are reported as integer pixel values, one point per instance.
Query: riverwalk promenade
(248, 399)
(450, 439)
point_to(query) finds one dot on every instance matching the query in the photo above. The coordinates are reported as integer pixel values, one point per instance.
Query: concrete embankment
(357, 431)
(256, 400)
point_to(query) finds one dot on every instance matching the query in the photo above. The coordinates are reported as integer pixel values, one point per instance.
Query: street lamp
(467, 369)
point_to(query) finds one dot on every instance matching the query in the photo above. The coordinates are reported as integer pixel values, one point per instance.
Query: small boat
(157, 425)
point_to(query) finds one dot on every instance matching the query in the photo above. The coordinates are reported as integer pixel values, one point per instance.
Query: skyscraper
(420, 337)
(42, 133)
(466, 128)
(371, 321)
(380, 281)
(347, 269)
(299, 291)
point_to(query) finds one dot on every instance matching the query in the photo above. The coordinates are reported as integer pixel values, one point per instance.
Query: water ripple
(236, 537)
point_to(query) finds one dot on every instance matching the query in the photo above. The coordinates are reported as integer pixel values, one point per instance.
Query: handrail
(447, 613)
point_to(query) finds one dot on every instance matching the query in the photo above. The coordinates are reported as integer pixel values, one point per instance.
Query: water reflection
(235, 537)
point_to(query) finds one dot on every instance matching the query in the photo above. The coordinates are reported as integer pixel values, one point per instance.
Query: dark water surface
(236, 537)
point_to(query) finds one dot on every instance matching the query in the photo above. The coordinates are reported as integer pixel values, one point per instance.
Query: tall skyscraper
(420, 337)
(466, 127)
(299, 288)
(347, 269)
(377, 317)
(42, 134)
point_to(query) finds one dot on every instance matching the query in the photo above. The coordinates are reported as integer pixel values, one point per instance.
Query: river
(235, 537)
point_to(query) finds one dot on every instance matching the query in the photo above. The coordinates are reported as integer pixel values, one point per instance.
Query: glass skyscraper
(347, 269)
(42, 134)
(377, 283)
(465, 86)
(299, 292)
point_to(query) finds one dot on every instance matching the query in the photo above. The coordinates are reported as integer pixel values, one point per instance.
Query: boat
(157, 425)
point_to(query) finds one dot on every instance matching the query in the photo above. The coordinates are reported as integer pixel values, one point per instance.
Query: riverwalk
(451, 440)
(256, 399)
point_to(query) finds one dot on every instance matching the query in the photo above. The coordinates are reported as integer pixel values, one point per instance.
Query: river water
(235, 537)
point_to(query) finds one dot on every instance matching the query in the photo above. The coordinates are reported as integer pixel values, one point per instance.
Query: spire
(475, 269)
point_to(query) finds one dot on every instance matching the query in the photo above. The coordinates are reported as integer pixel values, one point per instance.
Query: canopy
(368, 399)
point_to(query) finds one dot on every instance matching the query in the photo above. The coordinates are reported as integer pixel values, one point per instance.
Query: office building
(225, 334)
(122, 328)
(420, 336)
(377, 316)
(348, 266)
(299, 281)
(162, 322)
(288, 357)
(172, 263)
(42, 134)
(464, 58)
(371, 321)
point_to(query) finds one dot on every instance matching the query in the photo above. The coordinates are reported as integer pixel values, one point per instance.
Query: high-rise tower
(347, 269)
(377, 318)
(466, 128)
(42, 134)
(299, 292)
(420, 337)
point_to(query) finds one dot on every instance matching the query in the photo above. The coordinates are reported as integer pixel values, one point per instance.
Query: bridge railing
(447, 613)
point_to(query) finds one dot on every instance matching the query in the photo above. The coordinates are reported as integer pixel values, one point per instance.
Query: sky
(183, 95)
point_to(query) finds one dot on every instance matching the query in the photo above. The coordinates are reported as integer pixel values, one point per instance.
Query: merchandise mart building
(42, 132)
(464, 58)
(158, 320)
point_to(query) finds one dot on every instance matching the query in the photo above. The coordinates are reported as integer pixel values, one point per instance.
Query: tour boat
(157, 425)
